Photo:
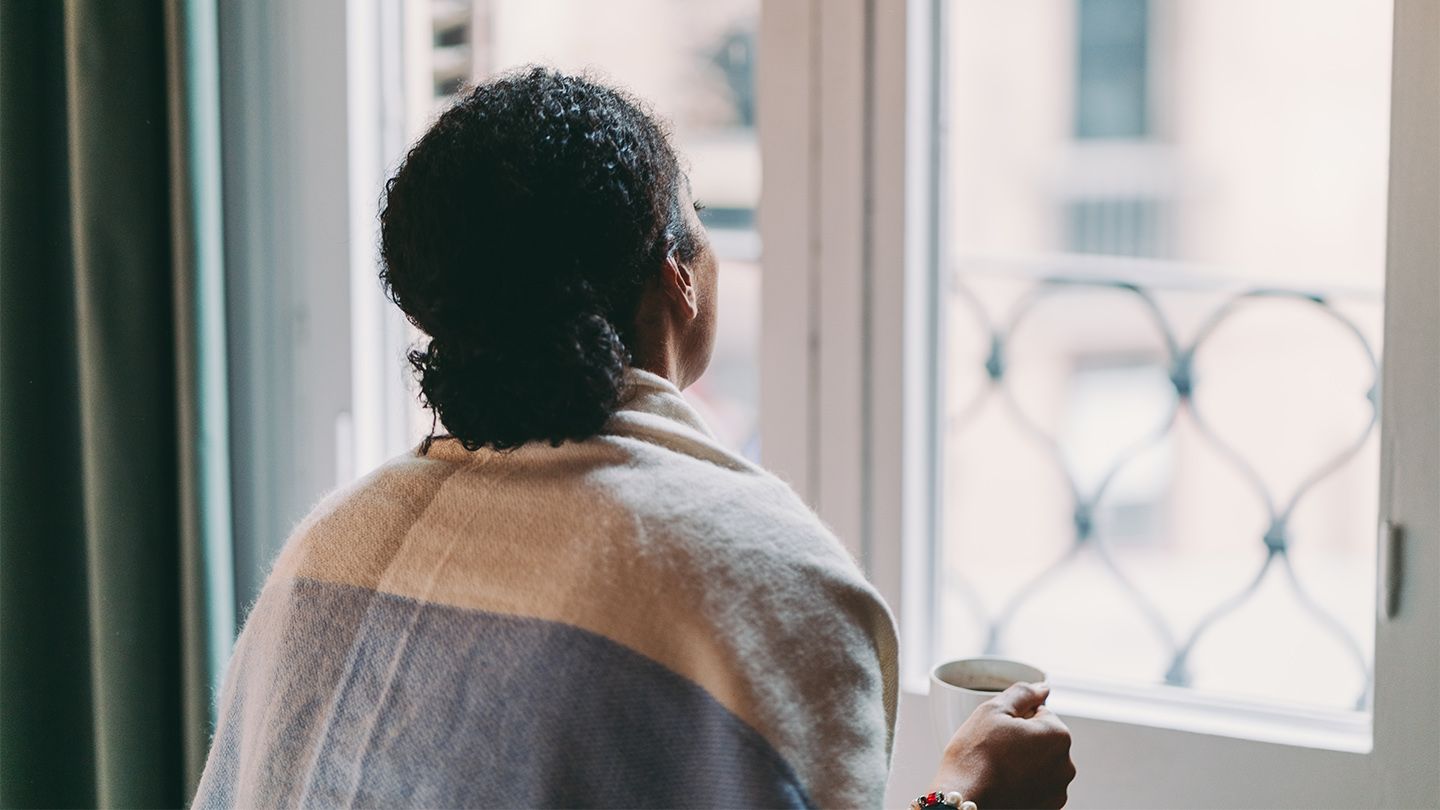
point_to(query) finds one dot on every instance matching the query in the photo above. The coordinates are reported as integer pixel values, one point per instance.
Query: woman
(574, 595)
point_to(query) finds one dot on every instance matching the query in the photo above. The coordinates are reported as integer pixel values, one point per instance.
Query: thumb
(1022, 699)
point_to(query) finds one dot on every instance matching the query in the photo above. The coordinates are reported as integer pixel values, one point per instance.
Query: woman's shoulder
(722, 503)
(806, 644)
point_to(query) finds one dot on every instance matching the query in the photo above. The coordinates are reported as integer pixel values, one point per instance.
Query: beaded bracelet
(938, 799)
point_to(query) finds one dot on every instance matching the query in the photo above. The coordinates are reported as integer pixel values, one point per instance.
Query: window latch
(1392, 569)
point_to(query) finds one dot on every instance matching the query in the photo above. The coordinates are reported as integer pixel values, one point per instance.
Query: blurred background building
(1147, 478)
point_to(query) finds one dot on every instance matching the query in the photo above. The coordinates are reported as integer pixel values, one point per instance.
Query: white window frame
(313, 123)
(288, 236)
(849, 111)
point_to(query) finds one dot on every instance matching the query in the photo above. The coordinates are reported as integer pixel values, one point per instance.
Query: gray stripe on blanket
(382, 700)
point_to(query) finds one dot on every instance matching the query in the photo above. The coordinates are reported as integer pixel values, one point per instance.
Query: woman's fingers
(1022, 699)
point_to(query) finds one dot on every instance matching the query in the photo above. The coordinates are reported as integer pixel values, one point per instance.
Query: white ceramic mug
(957, 687)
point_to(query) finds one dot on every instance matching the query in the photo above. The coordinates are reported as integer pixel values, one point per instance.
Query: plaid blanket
(640, 619)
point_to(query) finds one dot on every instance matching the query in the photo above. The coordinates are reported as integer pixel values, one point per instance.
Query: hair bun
(503, 394)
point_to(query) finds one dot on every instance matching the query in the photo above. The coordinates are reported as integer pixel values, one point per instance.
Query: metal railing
(1048, 281)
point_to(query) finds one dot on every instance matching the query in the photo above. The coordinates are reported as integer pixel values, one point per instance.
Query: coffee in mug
(957, 687)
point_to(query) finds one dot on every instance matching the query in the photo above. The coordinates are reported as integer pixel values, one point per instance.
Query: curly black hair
(519, 234)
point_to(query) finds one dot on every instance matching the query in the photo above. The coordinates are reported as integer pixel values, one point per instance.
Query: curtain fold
(44, 630)
(113, 506)
(207, 556)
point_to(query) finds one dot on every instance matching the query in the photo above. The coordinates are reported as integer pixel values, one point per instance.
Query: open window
(1103, 303)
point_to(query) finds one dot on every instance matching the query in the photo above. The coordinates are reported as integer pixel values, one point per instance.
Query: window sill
(1176, 709)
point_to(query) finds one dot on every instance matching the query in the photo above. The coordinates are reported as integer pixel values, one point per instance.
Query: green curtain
(115, 613)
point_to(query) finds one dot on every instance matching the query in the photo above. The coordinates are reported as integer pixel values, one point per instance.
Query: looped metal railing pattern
(1279, 506)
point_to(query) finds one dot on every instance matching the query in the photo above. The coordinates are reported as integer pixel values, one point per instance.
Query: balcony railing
(1145, 284)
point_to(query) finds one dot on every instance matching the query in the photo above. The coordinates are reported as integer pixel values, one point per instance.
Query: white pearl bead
(953, 798)
(968, 806)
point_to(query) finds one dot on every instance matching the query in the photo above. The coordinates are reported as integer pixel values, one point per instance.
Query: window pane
(1113, 71)
(1165, 233)
(694, 63)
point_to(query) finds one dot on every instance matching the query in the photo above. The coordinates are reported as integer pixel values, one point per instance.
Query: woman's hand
(1012, 752)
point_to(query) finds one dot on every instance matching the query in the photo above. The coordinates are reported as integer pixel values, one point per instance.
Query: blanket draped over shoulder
(639, 619)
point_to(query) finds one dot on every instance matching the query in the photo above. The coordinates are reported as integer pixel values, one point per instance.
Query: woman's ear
(679, 284)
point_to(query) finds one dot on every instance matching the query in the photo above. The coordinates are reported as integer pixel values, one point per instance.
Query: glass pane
(1165, 233)
(694, 63)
